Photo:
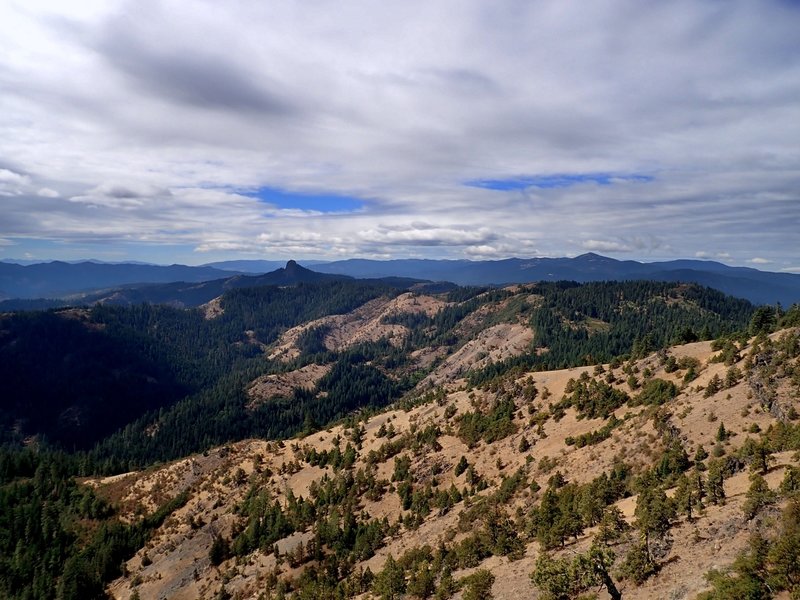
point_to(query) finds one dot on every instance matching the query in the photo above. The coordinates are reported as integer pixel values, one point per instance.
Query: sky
(192, 132)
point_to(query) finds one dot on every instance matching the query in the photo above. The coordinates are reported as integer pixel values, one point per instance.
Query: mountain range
(96, 281)
(343, 438)
(760, 287)
(57, 279)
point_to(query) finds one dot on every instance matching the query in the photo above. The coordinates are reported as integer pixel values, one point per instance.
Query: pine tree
(684, 497)
(422, 582)
(784, 553)
(791, 480)
(761, 457)
(714, 385)
(654, 513)
(612, 525)
(698, 487)
(478, 586)
(220, 550)
(715, 483)
(759, 495)
(390, 583)
(564, 579)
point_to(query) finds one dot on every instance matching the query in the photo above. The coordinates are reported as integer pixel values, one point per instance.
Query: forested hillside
(672, 475)
(76, 376)
(121, 388)
(584, 324)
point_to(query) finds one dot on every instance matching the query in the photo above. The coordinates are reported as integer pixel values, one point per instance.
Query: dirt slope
(364, 324)
(176, 564)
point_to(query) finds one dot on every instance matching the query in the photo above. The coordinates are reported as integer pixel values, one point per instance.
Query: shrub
(657, 392)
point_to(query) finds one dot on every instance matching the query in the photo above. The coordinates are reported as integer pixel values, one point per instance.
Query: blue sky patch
(559, 180)
(326, 203)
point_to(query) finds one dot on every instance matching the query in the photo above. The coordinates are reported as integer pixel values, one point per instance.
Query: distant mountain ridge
(761, 287)
(180, 283)
(256, 266)
(190, 294)
(57, 278)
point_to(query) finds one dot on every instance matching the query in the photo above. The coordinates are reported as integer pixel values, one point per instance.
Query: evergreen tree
(478, 586)
(758, 496)
(390, 583)
(612, 525)
(791, 480)
(220, 550)
(715, 483)
(684, 497)
(764, 320)
(654, 513)
(564, 579)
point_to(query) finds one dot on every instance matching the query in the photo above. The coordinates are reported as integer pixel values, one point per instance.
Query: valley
(349, 438)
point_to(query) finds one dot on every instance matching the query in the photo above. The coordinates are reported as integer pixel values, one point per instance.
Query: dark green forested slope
(578, 324)
(57, 538)
(77, 376)
(221, 414)
(188, 375)
(582, 324)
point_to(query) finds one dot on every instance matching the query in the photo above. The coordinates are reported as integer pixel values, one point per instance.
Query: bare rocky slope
(459, 491)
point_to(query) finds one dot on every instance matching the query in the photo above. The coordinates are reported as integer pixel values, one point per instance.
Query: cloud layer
(641, 129)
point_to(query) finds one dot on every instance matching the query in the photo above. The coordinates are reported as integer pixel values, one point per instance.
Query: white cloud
(48, 193)
(122, 115)
(7, 176)
(606, 246)
(718, 255)
(423, 234)
(759, 261)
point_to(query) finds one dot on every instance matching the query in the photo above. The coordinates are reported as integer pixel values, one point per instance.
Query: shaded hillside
(68, 379)
(386, 353)
(78, 375)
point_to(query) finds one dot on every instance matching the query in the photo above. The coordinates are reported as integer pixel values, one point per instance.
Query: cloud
(184, 73)
(125, 196)
(500, 250)
(704, 254)
(46, 192)
(759, 261)
(425, 234)
(7, 176)
(606, 246)
(11, 183)
(592, 127)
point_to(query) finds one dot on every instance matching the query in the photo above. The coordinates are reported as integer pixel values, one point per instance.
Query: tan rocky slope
(365, 324)
(529, 434)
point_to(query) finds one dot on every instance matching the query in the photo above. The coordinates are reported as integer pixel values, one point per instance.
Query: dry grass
(179, 552)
